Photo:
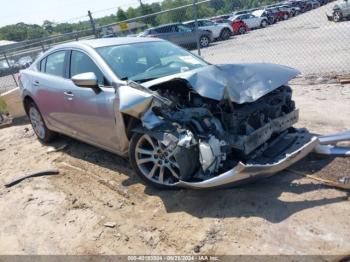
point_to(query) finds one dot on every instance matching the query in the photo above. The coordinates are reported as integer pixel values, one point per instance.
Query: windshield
(149, 60)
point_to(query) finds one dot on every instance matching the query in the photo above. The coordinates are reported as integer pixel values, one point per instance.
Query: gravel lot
(66, 214)
(285, 214)
(308, 42)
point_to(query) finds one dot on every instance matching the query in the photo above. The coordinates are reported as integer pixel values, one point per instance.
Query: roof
(192, 21)
(96, 43)
(160, 26)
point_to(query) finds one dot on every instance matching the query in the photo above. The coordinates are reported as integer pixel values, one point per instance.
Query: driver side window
(82, 63)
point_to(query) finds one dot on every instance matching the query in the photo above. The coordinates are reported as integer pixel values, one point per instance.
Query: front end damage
(222, 124)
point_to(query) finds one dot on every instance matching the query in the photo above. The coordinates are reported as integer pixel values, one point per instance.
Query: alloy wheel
(155, 161)
(37, 122)
(337, 16)
(204, 41)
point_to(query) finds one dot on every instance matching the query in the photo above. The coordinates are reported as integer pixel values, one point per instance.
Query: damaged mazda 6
(181, 121)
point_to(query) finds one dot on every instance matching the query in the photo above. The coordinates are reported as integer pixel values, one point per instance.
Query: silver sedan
(181, 121)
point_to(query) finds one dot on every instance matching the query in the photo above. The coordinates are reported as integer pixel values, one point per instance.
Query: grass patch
(3, 108)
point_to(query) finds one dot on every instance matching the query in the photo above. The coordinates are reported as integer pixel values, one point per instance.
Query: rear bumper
(302, 146)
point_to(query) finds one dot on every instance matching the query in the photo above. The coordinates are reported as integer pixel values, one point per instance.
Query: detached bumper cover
(243, 172)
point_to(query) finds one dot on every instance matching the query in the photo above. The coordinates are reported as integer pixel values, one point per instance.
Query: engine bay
(214, 136)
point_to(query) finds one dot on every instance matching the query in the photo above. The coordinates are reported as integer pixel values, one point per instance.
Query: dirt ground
(68, 213)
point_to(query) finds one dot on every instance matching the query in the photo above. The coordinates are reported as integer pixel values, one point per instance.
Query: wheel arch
(130, 123)
(27, 100)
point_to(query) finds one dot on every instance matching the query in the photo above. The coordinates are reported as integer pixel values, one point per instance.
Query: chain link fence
(304, 39)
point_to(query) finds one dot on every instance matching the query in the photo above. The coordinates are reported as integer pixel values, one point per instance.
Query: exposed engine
(219, 134)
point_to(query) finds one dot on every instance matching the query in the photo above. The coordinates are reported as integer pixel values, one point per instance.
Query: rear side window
(55, 64)
(82, 63)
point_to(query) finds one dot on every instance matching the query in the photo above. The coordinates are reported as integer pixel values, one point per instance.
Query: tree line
(21, 31)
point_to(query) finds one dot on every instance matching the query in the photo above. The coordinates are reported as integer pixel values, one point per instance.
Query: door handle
(68, 93)
(36, 83)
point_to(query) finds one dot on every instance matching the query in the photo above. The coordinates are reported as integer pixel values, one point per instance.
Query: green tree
(121, 15)
(48, 26)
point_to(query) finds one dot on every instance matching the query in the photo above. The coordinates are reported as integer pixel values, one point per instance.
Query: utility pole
(196, 25)
(93, 25)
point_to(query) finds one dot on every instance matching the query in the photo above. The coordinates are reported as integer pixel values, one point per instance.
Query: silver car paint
(241, 83)
(87, 116)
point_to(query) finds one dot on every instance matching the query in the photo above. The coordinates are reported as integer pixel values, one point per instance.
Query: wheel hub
(155, 161)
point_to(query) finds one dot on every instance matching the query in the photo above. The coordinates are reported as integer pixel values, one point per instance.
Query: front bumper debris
(327, 144)
(302, 146)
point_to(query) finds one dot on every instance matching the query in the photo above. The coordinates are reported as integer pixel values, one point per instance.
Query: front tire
(43, 134)
(225, 34)
(263, 24)
(204, 41)
(153, 162)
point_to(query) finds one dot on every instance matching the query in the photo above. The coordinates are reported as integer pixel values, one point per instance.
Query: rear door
(255, 21)
(165, 32)
(49, 85)
(90, 111)
(186, 35)
(246, 19)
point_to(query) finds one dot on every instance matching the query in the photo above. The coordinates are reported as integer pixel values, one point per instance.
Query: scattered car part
(48, 172)
(56, 149)
(327, 144)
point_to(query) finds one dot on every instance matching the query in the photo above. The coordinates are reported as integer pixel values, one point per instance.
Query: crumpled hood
(241, 83)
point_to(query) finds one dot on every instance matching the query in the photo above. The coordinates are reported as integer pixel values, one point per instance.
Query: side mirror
(88, 80)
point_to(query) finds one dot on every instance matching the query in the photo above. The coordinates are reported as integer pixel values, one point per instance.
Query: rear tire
(225, 34)
(204, 41)
(242, 30)
(43, 134)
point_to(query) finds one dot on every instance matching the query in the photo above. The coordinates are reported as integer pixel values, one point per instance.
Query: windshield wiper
(144, 79)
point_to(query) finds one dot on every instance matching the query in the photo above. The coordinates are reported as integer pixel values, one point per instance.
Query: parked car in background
(219, 31)
(25, 61)
(294, 10)
(241, 12)
(323, 2)
(265, 13)
(341, 11)
(297, 4)
(251, 21)
(238, 26)
(278, 14)
(314, 3)
(179, 34)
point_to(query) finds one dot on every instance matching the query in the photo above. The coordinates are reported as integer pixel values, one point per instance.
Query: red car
(238, 26)
(279, 14)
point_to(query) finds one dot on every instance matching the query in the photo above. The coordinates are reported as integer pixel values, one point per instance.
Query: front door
(91, 111)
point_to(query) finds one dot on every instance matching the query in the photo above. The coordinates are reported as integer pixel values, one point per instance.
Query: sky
(36, 11)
